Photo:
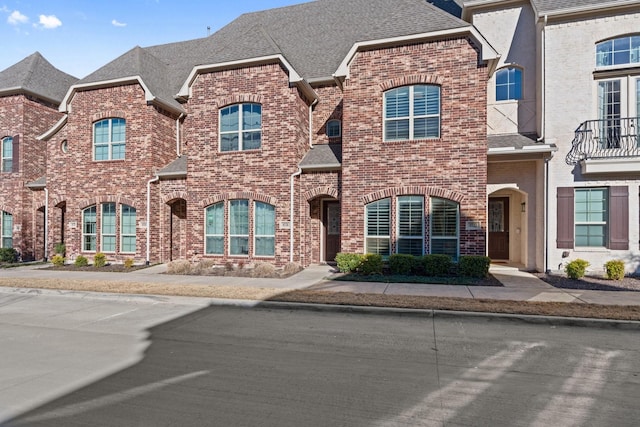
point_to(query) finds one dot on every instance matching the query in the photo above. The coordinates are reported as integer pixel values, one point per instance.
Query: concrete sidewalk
(518, 285)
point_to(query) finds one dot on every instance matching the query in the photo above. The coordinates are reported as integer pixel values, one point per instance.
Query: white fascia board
(48, 134)
(105, 83)
(294, 77)
(541, 148)
(587, 8)
(488, 52)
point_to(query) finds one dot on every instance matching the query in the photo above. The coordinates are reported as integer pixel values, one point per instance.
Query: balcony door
(609, 113)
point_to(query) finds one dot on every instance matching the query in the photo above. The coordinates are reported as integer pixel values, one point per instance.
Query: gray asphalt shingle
(548, 6)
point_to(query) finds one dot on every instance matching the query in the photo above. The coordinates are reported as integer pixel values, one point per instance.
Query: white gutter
(155, 179)
(291, 213)
(178, 134)
(46, 222)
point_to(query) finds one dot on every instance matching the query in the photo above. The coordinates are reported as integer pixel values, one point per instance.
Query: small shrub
(403, 264)
(476, 266)
(228, 266)
(291, 268)
(9, 255)
(202, 267)
(179, 266)
(60, 248)
(128, 263)
(58, 260)
(264, 269)
(576, 268)
(348, 262)
(241, 264)
(81, 261)
(614, 269)
(99, 260)
(371, 264)
(437, 265)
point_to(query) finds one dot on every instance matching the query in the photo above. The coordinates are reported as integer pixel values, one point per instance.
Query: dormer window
(508, 84)
(109, 139)
(620, 51)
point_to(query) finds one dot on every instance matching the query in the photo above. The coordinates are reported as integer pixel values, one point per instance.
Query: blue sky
(80, 36)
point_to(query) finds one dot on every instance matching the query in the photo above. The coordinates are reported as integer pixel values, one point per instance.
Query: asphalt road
(265, 366)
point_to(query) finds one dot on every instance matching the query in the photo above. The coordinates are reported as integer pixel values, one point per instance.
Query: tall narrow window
(508, 84)
(445, 220)
(6, 156)
(214, 229)
(6, 230)
(240, 127)
(89, 229)
(591, 216)
(239, 227)
(127, 229)
(412, 112)
(109, 139)
(378, 227)
(410, 225)
(265, 229)
(334, 129)
(609, 113)
(108, 230)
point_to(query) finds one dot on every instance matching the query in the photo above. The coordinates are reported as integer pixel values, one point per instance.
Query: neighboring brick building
(279, 143)
(30, 92)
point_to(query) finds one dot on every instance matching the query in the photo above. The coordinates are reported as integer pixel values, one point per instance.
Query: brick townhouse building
(287, 136)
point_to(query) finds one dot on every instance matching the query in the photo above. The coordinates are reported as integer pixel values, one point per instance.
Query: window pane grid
(265, 229)
(241, 127)
(620, 51)
(214, 229)
(239, 227)
(445, 220)
(6, 165)
(508, 84)
(6, 230)
(108, 224)
(378, 227)
(109, 137)
(591, 217)
(412, 112)
(89, 229)
(128, 229)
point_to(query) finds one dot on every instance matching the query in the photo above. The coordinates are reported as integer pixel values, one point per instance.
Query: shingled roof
(549, 6)
(36, 76)
(313, 37)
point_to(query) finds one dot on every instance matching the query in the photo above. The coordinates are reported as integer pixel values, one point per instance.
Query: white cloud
(17, 18)
(49, 22)
(115, 23)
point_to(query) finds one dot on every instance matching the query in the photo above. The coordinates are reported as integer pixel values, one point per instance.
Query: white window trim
(522, 80)
(4, 234)
(606, 224)
(248, 235)
(398, 236)
(615, 66)
(411, 116)
(3, 155)
(240, 130)
(256, 235)
(123, 235)
(115, 228)
(110, 143)
(378, 236)
(204, 248)
(84, 234)
(432, 237)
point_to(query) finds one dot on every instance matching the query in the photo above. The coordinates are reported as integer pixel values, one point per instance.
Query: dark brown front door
(499, 228)
(331, 221)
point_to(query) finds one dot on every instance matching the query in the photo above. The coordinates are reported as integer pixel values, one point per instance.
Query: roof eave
(585, 9)
(18, 90)
(322, 168)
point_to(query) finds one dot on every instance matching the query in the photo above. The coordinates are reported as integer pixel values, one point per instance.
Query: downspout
(543, 81)
(315, 101)
(46, 223)
(545, 267)
(155, 179)
(178, 134)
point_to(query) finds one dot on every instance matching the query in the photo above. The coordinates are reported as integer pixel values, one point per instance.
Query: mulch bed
(591, 282)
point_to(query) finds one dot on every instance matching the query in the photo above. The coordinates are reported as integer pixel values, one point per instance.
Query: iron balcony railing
(605, 139)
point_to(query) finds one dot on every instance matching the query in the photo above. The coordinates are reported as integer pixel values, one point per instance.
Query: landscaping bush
(9, 255)
(436, 265)
(403, 264)
(180, 266)
(292, 268)
(614, 269)
(99, 260)
(128, 263)
(371, 264)
(348, 262)
(60, 249)
(264, 269)
(576, 268)
(476, 266)
(81, 261)
(58, 260)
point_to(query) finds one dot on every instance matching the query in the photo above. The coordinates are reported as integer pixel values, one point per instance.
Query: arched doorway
(177, 229)
(507, 225)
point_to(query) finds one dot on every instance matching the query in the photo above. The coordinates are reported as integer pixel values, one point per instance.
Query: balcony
(606, 146)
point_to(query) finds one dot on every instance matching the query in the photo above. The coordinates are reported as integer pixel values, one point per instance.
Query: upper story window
(620, 51)
(109, 139)
(508, 84)
(334, 129)
(412, 112)
(240, 127)
(6, 156)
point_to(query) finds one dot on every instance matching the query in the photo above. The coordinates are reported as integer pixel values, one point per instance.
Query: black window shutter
(565, 218)
(16, 154)
(619, 218)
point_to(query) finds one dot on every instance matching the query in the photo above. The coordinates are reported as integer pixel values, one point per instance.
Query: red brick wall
(329, 107)
(76, 179)
(262, 174)
(453, 165)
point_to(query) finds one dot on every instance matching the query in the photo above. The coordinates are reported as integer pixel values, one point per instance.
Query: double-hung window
(508, 84)
(214, 229)
(89, 229)
(6, 155)
(412, 112)
(6, 230)
(591, 217)
(410, 225)
(108, 222)
(378, 227)
(109, 139)
(264, 233)
(239, 227)
(240, 127)
(445, 226)
(127, 229)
